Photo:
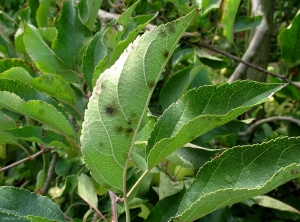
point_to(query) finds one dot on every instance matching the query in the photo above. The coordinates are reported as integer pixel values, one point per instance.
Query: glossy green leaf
(254, 170)
(42, 13)
(178, 84)
(120, 100)
(48, 33)
(71, 36)
(289, 40)
(209, 5)
(21, 98)
(45, 59)
(39, 135)
(94, 53)
(229, 10)
(35, 205)
(244, 23)
(51, 84)
(201, 110)
(6, 64)
(88, 11)
(165, 208)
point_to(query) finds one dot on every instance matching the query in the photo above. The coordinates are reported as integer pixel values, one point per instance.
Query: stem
(282, 77)
(114, 211)
(252, 128)
(137, 183)
(44, 150)
(49, 174)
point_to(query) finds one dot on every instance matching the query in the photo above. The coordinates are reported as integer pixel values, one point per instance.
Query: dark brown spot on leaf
(119, 129)
(110, 110)
(294, 172)
(166, 54)
(101, 144)
(151, 84)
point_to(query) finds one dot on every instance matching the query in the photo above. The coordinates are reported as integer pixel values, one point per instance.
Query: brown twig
(44, 150)
(252, 128)
(49, 174)
(282, 77)
(113, 201)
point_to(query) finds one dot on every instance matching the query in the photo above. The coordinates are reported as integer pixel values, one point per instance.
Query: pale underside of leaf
(120, 99)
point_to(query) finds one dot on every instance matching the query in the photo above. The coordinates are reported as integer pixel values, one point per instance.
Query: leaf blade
(201, 110)
(117, 120)
(274, 163)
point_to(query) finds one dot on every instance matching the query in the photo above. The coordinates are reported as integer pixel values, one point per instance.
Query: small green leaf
(229, 10)
(211, 61)
(269, 202)
(45, 59)
(42, 13)
(87, 191)
(178, 84)
(239, 173)
(6, 123)
(88, 11)
(209, 5)
(120, 101)
(71, 37)
(39, 135)
(289, 40)
(201, 110)
(165, 208)
(244, 23)
(94, 53)
(35, 205)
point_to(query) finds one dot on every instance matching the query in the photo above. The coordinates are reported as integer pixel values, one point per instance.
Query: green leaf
(51, 84)
(42, 13)
(87, 191)
(119, 35)
(289, 40)
(110, 126)
(94, 53)
(238, 173)
(6, 64)
(209, 5)
(48, 33)
(6, 123)
(201, 110)
(39, 135)
(45, 59)
(244, 23)
(21, 98)
(165, 208)
(269, 202)
(11, 217)
(88, 11)
(188, 157)
(212, 61)
(71, 37)
(178, 84)
(229, 10)
(32, 204)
